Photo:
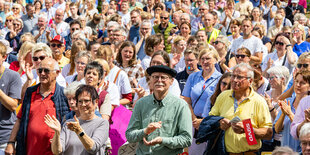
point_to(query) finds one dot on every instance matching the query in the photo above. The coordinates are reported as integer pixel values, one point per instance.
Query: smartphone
(235, 120)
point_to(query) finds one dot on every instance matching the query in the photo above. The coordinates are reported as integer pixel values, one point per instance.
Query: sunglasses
(240, 56)
(14, 8)
(37, 58)
(54, 45)
(279, 43)
(295, 31)
(73, 29)
(45, 70)
(164, 18)
(215, 42)
(302, 65)
(16, 24)
(202, 9)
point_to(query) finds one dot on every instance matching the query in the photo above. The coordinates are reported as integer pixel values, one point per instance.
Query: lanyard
(2, 74)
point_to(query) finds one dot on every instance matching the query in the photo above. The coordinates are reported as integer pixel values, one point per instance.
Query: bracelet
(271, 109)
(11, 142)
(288, 45)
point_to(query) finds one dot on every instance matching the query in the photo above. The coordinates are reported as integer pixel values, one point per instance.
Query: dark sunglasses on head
(164, 18)
(37, 58)
(240, 56)
(45, 70)
(302, 65)
(54, 45)
(279, 43)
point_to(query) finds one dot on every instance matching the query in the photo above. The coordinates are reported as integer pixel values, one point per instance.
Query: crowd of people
(190, 73)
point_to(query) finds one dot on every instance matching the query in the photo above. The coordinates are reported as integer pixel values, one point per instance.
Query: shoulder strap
(283, 63)
(116, 76)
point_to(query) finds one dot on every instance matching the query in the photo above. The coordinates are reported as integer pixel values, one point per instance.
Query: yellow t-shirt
(254, 107)
(63, 61)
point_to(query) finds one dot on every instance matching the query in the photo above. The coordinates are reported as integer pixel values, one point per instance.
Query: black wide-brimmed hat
(161, 69)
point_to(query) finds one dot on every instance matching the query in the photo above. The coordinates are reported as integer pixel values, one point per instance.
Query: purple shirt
(300, 115)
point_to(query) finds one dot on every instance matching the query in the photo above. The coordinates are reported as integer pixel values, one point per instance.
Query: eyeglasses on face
(242, 56)
(215, 42)
(37, 58)
(85, 102)
(56, 45)
(302, 65)
(273, 77)
(45, 70)
(164, 18)
(238, 77)
(73, 29)
(163, 78)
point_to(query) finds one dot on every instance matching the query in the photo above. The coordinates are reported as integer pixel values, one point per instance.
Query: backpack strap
(116, 76)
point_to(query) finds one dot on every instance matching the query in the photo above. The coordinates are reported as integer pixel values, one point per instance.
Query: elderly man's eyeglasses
(215, 42)
(305, 143)
(273, 77)
(164, 18)
(302, 65)
(238, 56)
(37, 58)
(85, 102)
(238, 77)
(163, 78)
(45, 70)
(202, 9)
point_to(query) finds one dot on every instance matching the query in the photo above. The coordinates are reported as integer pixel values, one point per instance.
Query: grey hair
(280, 71)
(113, 23)
(71, 88)
(305, 130)
(43, 16)
(80, 35)
(282, 150)
(42, 47)
(242, 66)
(186, 15)
(83, 54)
(298, 16)
(146, 22)
(123, 32)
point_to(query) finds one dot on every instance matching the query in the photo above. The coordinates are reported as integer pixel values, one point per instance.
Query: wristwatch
(288, 45)
(11, 142)
(81, 134)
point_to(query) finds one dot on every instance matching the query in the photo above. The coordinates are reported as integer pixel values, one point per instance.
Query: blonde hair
(224, 40)
(301, 28)
(42, 47)
(3, 49)
(211, 51)
(25, 49)
(104, 64)
(105, 52)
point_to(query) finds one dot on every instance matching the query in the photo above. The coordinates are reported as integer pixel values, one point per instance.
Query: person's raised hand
(152, 127)
(157, 140)
(52, 122)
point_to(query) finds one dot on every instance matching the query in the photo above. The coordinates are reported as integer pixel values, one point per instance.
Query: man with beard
(29, 19)
(135, 22)
(58, 46)
(118, 36)
(160, 122)
(164, 28)
(244, 102)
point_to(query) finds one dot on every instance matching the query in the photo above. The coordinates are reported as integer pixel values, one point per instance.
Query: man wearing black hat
(160, 122)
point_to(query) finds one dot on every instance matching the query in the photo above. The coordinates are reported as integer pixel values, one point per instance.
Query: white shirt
(125, 17)
(60, 79)
(65, 70)
(63, 28)
(180, 66)
(60, 6)
(254, 44)
(278, 62)
(122, 80)
(113, 92)
(145, 63)
(72, 78)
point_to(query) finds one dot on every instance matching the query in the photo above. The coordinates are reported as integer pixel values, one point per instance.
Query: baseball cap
(59, 39)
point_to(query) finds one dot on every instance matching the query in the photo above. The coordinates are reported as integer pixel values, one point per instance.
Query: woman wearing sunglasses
(14, 34)
(288, 107)
(243, 55)
(227, 59)
(282, 54)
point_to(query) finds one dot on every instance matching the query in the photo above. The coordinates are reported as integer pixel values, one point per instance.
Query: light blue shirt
(195, 85)
(287, 139)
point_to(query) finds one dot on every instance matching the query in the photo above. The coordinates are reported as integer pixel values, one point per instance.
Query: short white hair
(305, 130)
(71, 88)
(43, 16)
(280, 71)
(186, 15)
(80, 35)
(242, 66)
(42, 47)
(113, 23)
(146, 22)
